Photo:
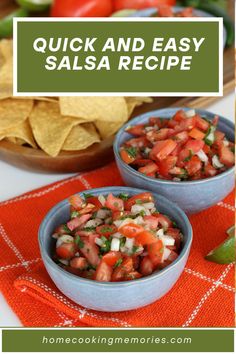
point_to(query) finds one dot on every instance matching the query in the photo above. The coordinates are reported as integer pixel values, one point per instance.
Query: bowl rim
(147, 115)
(105, 190)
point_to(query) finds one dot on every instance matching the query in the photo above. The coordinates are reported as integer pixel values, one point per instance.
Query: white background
(14, 181)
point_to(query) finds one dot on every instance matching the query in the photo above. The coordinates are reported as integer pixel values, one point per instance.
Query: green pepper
(34, 5)
(6, 23)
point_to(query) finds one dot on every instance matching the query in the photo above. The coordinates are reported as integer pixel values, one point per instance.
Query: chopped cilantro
(122, 242)
(132, 151)
(138, 201)
(123, 196)
(79, 242)
(91, 267)
(66, 228)
(94, 215)
(174, 224)
(87, 195)
(118, 263)
(90, 228)
(106, 229)
(106, 246)
(134, 249)
(74, 214)
(189, 156)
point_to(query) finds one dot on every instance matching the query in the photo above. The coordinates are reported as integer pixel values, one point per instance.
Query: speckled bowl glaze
(191, 196)
(119, 296)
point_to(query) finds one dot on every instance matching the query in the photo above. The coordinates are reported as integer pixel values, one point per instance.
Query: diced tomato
(172, 123)
(111, 258)
(76, 201)
(137, 142)
(150, 168)
(132, 276)
(165, 11)
(88, 274)
(74, 271)
(162, 149)
(122, 270)
(201, 123)
(197, 134)
(66, 250)
(194, 145)
(164, 221)
(78, 221)
(155, 252)
(156, 135)
(206, 148)
(226, 156)
(166, 165)
(103, 272)
(181, 137)
(116, 215)
(215, 120)
(151, 221)
(219, 136)
(156, 121)
(126, 157)
(187, 124)
(142, 162)
(90, 251)
(95, 201)
(176, 171)
(106, 230)
(130, 230)
(172, 257)
(209, 170)
(145, 197)
(193, 165)
(137, 130)
(114, 203)
(179, 116)
(79, 263)
(175, 233)
(146, 266)
(60, 230)
(145, 238)
(186, 12)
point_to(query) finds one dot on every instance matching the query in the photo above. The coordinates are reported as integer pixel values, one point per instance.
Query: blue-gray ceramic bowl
(191, 196)
(120, 296)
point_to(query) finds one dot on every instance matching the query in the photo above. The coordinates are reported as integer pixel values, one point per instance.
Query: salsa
(185, 147)
(116, 238)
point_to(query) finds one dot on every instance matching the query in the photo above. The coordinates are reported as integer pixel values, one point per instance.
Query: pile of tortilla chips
(61, 123)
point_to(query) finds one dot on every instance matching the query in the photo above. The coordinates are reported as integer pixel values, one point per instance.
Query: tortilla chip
(50, 129)
(6, 79)
(95, 108)
(81, 137)
(133, 102)
(13, 112)
(107, 129)
(20, 134)
(6, 49)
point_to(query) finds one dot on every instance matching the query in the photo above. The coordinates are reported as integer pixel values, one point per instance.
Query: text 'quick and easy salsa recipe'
(116, 238)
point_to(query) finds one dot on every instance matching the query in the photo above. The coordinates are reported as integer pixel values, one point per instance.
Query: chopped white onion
(64, 239)
(108, 220)
(120, 223)
(191, 113)
(176, 179)
(115, 244)
(64, 261)
(139, 220)
(77, 254)
(167, 240)
(93, 223)
(216, 162)
(202, 156)
(102, 199)
(103, 214)
(99, 242)
(135, 209)
(149, 205)
(225, 142)
(139, 249)
(166, 254)
(160, 233)
(55, 236)
(117, 235)
(129, 243)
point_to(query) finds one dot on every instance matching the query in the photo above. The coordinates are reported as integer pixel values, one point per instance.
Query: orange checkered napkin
(203, 296)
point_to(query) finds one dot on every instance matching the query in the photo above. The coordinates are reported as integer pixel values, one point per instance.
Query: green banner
(148, 56)
(118, 340)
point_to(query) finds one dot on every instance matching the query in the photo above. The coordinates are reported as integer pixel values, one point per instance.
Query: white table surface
(14, 181)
